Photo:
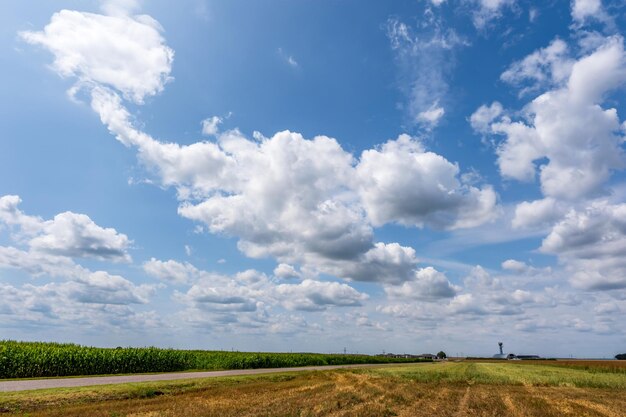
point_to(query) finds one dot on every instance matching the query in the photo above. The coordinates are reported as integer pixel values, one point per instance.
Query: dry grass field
(442, 389)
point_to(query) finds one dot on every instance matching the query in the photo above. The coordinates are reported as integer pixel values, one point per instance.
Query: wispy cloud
(287, 58)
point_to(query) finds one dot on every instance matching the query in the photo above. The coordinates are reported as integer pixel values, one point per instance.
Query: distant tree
(442, 355)
(621, 356)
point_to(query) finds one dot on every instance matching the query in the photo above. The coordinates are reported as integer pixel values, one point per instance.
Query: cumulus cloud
(286, 271)
(592, 242)
(77, 236)
(170, 271)
(432, 115)
(543, 68)
(482, 118)
(123, 52)
(82, 285)
(101, 287)
(311, 204)
(66, 235)
(47, 248)
(302, 201)
(79, 305)
(402, 182)
(428, 284)
(514, 265)
(210, 126)
(310, 295)
(567, 127)
(584, 11)
(538, 213)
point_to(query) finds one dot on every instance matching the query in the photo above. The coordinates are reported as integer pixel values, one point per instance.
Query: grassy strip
(36, 360)
(508, 373)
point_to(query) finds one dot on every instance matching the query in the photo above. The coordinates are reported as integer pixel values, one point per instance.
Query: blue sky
(408, 176)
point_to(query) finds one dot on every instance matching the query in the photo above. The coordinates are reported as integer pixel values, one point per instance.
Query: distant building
(427, 356)
(512, 356)
(528, 357)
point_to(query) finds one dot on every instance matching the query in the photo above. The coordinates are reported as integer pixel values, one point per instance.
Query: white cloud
(538, 213)
(286, 271)
(76, 305)
(424, 57)
(305, 207)
(591, 243)
(428, 285)
(103, 288)
(585, 10)
(82, 285)
(310, 295)
(210, 126)
(66, 235)
(295, 199)
(466, 304)
(52, 245)
(289, 59)
(488, 10)
(546, 67)
(126, 53)
(515, 266)
(568, 128)
(385, 262)
(431, 116)
(402, 182)
(77, 236)
(482, 118)
(170, 271)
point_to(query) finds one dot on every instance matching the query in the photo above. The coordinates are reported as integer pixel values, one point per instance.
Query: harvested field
(447, 389)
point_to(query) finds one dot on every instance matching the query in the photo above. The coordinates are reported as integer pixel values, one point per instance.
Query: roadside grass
(45, 398)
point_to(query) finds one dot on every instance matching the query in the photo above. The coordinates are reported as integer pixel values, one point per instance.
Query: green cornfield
(35, 359)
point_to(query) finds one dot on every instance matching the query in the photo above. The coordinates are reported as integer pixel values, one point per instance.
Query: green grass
(508, 373)
(37, 360)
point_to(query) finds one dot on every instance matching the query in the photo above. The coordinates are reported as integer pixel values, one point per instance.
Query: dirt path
(34, 384)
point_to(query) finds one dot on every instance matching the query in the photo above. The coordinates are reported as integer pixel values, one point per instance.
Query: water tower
(500, 355)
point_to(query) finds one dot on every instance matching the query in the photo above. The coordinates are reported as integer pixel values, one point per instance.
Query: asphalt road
(34, 384)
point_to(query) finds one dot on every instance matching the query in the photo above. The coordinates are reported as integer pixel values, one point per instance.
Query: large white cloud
(120, 51)
(568, 127)
(402, 182)
(305, 202)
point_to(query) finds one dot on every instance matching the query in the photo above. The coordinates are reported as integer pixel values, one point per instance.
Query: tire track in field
(463, 404)
(598, 408)
(512, 410)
